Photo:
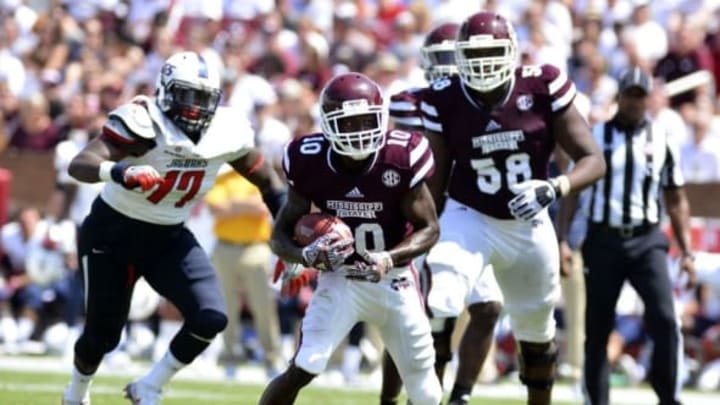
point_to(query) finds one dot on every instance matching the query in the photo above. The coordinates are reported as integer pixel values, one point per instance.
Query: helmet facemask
(356, 130)
(438, 60)
(190, 106)
(486, 63)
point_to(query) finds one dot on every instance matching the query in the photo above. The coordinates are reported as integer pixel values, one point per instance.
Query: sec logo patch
(524, 102)
(390, 178)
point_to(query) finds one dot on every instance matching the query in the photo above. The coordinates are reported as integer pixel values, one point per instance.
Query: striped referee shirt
(640, 162)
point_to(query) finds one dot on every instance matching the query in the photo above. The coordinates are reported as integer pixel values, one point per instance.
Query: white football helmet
(354, 118)
(188, 91)
(486, 51)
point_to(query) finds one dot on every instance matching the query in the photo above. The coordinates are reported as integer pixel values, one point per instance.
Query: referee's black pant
(611, 258)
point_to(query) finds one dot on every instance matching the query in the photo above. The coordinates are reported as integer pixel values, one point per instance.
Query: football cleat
(142, 394)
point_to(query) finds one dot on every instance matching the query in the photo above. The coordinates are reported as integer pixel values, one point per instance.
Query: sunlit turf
(22, 388)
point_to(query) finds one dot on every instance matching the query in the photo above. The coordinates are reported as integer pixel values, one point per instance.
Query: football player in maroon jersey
(485, 302)
(496, 125)
(374, 180)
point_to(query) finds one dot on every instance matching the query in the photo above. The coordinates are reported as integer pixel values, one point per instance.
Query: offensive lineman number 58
(489, 181)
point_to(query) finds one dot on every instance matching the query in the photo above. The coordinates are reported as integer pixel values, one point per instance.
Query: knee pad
(537, 364)
(207, 323)
(442, 329)
(92, 346)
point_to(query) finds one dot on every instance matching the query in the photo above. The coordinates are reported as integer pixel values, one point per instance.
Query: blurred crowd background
(64, 64)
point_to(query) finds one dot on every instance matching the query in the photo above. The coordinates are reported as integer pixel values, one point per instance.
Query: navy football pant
(114, 251)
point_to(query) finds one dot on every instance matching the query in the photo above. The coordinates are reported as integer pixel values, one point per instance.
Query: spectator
(648, 37)
(52, 266)
(36, 131)
(15, 238)
(660, 111)
(688, 54)
(12, 70)
(700, 153)
(242, 259)
(599, 86)
(271, 134)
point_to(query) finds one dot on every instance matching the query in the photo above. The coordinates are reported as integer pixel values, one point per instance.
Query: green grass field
(20, 388)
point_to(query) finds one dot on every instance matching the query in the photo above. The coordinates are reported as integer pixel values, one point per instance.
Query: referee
(624, 241)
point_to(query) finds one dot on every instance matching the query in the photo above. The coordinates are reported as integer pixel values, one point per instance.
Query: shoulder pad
(136, 118)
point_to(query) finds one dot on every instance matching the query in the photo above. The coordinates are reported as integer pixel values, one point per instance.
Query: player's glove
(372, 269)
(532, 197)
(327, 252)
(294, 277)
(129, 176)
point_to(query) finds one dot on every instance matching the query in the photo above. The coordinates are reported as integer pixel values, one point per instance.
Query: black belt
(623, 232)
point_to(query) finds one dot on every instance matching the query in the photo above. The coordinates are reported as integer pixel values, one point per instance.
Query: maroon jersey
(496, 148)
(405, 108)
(369, 202)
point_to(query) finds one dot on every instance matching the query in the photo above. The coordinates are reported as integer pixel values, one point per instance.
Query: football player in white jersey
(157, 157)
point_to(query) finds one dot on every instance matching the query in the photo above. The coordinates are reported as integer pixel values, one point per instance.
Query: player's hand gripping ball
(327, 241)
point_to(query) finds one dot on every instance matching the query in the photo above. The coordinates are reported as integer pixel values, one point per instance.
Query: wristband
(561, 184)
(387, 260)
(105, 170)
(117, 172)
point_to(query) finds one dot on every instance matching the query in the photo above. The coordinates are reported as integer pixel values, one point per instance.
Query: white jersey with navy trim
(189, 169)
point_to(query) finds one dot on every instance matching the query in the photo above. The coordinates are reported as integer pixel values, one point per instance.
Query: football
(314, 225)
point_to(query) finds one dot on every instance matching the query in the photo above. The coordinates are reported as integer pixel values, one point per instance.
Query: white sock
(212, 352)
(351, 362)
(9, 329)
(288, 346)
(69, 349)
(166, 331)
(79, 385)
(25, 328)
(162, 371)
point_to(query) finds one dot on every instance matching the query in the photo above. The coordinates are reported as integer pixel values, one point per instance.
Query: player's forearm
(587, 170)
(85, 167)
(418, 243)
(285, 248)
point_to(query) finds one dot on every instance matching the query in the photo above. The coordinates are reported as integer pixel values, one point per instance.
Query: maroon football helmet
(438, 51)
(486, 51)
(353, 116)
